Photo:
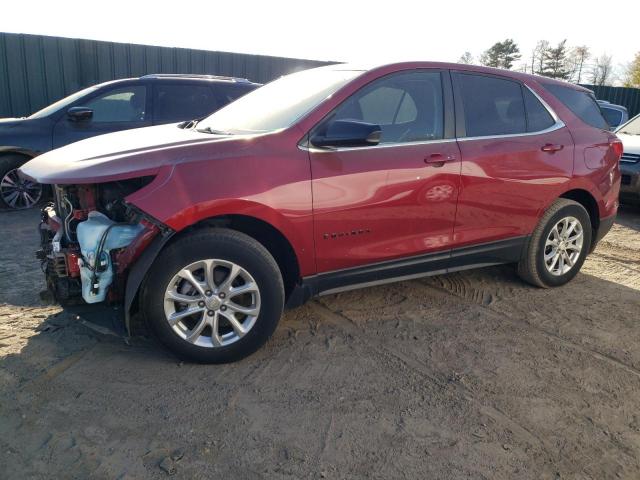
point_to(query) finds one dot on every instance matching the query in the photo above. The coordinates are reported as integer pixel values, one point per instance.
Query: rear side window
(582, 104)
(174, 103)
(538, 117)
(492, 106)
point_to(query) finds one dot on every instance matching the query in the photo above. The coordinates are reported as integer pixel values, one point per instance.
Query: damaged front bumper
(89, 248)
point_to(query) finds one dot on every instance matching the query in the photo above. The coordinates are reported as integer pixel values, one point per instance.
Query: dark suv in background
(105, 108)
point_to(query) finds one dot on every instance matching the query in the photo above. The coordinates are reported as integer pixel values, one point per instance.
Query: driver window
(125, 104)
(407, 107)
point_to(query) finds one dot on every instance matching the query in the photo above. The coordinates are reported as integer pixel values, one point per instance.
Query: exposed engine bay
(90, 236)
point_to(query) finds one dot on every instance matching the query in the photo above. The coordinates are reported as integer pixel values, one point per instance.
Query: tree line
(575, 64)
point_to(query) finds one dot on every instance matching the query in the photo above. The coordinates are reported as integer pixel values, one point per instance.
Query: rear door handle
(551, 148)
(439, 159)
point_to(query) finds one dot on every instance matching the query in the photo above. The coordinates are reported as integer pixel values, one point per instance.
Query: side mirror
(79, 114)
(347, 133)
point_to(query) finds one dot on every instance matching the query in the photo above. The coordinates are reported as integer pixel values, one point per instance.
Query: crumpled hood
(128, 154)
(631, 143)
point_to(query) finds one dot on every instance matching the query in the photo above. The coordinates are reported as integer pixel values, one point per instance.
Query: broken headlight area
(90, 236)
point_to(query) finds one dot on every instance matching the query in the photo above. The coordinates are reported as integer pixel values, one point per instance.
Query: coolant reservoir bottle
(89, 234)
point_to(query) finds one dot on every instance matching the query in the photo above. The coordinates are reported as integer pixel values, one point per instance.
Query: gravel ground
(467, 375)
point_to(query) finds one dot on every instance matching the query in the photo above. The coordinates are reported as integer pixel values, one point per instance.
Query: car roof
(455, 66)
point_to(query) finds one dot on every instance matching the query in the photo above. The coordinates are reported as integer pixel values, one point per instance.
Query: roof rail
(195, 75)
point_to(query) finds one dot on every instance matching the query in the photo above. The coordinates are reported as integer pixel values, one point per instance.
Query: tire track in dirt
(344, 323)
(499, 315)
(460, 291)
(618, 254)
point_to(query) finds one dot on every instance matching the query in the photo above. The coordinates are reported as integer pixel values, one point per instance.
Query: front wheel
(558, 246)
(16, 193)
(214, 296)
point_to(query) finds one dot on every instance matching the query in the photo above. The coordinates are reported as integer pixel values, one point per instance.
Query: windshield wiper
(212, 131)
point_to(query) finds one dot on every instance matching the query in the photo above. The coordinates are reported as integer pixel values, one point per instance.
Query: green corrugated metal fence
(37, 70)
(627, 97)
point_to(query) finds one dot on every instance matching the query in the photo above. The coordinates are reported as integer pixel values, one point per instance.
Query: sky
(355, 31)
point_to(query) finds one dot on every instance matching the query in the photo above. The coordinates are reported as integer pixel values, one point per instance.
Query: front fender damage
(139, 269)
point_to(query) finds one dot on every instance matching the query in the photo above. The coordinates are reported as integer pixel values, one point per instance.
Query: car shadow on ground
(629, 216)
(475, 373)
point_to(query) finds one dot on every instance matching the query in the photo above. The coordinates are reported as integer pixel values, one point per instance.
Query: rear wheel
(558, 246)
(17, 193)
(214, 296)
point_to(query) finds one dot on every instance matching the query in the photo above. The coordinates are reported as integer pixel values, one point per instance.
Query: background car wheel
(558, 246)
(214, 296)
(16, 193)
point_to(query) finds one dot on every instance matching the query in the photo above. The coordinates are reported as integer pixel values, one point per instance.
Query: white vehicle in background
(629, 134)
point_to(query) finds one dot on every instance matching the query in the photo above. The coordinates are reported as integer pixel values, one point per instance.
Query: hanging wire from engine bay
(67, 219)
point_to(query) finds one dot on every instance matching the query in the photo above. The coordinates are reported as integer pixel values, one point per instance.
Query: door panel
(516, 158)
(116, 109)
(378, 204)
(396, 199)
(506, 182)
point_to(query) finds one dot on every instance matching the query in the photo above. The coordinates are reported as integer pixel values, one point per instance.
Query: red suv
(322, 181)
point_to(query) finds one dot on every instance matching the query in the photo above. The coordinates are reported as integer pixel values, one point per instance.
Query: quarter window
(407, 107)
(126, 104)
(492, 106)
(581, 103)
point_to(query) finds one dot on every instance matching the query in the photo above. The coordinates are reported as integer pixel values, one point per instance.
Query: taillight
(617, 148)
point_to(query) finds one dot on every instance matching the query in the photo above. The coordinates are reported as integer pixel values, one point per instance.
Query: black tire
(220, 244)
(532, 268)
(9, 162)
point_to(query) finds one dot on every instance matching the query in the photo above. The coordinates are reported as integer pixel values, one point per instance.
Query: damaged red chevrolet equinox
(321, 181)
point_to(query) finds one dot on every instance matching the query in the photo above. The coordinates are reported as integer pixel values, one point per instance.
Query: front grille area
(630, 157)
(625, 180)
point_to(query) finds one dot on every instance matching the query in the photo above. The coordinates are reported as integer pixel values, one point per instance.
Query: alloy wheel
(563, 246)
(212, 303)
(17, 192)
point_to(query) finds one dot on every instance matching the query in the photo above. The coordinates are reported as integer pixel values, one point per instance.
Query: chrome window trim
(379, 146)
(559, 124)
(556, 126)
(553, 114)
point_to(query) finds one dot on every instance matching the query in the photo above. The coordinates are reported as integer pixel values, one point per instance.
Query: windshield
(54, 107)
(632, 127)
(278, 104)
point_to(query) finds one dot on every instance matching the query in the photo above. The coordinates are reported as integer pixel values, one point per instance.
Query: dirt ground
(469, 375)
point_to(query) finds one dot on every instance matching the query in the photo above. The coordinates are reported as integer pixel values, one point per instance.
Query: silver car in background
(629, 134)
